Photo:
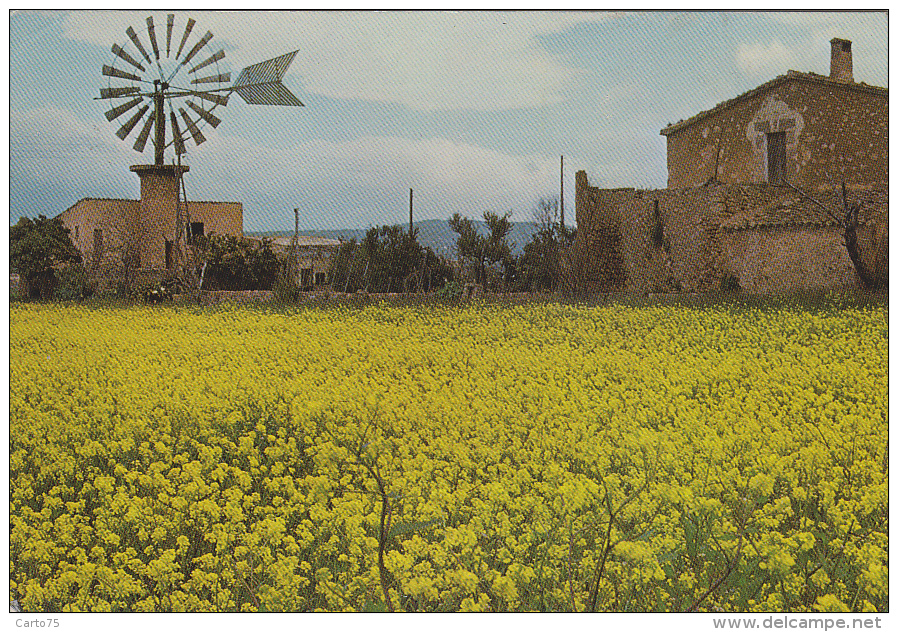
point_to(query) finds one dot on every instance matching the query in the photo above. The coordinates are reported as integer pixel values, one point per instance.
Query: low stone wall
(248, 296)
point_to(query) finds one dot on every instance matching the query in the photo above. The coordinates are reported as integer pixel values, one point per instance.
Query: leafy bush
(388, 259)
(238, 263)
(730, 283)
(73, 283)
(450, 292)
(36, 249)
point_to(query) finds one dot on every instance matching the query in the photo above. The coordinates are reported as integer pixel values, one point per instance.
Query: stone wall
(682, 247)
(595, 261)
(778, 259)
(830, 127)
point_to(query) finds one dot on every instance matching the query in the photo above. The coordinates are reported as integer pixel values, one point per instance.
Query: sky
(472, 110)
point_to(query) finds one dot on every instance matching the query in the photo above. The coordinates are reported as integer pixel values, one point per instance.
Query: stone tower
(157, 222)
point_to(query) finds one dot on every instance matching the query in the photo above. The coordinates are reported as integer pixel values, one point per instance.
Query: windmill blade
(190, 23)
(198, 137)
(217, 99)
(132, 122)
(109, 71)
(114, 113)
(196, 48)
(141, 141)
(168, 30)
(216, 57)
(121, 52)
(223, 78)
(260, 84)
(207, 116)
(137, 43)
(151, 29)
(115, 93)
(179, 140)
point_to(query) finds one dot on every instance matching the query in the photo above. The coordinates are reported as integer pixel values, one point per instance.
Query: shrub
(730, 283)
(73, 283)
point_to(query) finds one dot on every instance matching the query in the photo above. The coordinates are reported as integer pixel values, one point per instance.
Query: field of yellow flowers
(536, 457)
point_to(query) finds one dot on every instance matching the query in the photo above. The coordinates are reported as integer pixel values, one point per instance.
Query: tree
(483, 251)
(541, 262)
(388, 259)
(37, 248)
(848, 220)
(238, 264)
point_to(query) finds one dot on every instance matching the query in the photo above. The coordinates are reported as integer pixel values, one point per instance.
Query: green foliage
(540, 265)
(388, 259)
(36, 249)
(484, 251)
(73, 283)
(450, 291)
(238, 264)
(729, 283)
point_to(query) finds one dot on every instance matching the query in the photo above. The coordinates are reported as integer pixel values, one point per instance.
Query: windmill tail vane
(260, 84)
(132, 81)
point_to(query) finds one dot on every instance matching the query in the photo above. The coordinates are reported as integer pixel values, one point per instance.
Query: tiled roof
(792, 75)
(800, 211)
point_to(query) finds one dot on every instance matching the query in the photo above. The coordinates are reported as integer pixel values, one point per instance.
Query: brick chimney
(840, 65)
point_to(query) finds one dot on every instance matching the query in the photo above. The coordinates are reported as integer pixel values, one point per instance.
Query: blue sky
(473, 110)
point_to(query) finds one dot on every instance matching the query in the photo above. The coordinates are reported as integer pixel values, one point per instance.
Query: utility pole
(411, 224)
(294, 266)
(561, 204)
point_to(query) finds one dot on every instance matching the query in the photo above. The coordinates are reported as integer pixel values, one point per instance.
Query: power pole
(411, 224)
(294, 264)
(561, 204)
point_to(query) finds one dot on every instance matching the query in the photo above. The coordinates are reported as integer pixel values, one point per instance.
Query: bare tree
(848, 220)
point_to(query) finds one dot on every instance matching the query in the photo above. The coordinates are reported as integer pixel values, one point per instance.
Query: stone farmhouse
(729, 215)
(106, 230)
(313, 257)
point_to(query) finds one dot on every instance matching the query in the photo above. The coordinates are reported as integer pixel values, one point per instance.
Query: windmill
(169, 85)
(158, 84)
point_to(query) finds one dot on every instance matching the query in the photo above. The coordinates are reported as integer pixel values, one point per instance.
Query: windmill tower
(156, 87)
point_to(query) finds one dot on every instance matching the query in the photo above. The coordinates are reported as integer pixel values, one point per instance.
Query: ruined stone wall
(595, 261)
(683, 248)
(830, 127)
(776, 259)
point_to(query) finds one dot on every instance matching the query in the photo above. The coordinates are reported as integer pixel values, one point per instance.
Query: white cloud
(57, 159)
(425, 61)
(54, 154)
(773, 58)
(365, 181)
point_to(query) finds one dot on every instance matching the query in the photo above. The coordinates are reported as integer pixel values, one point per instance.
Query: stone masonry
(728, 212)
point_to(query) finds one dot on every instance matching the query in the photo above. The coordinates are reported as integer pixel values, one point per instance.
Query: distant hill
(434, 233)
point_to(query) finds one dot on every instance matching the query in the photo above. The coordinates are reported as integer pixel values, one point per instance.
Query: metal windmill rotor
(152, 84)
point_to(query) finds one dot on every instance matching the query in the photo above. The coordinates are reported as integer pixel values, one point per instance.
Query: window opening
(194, 230)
